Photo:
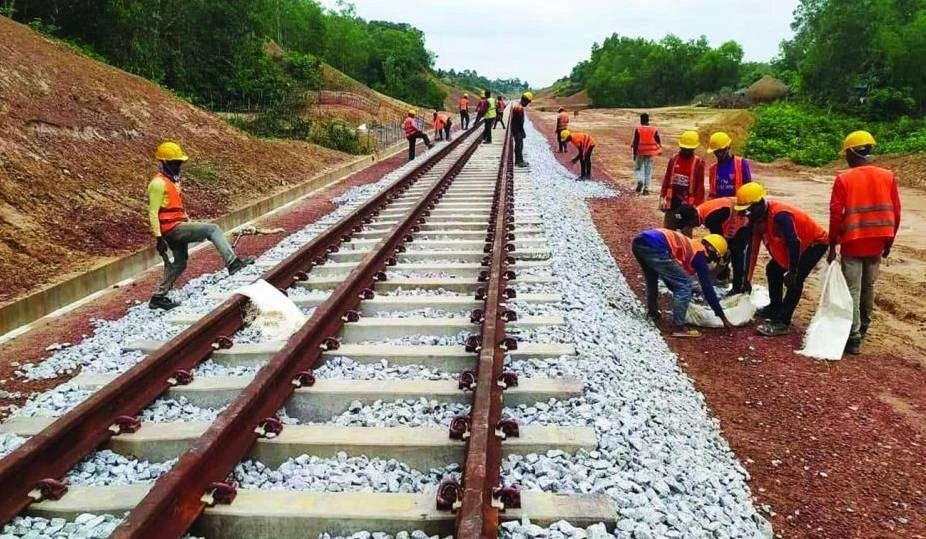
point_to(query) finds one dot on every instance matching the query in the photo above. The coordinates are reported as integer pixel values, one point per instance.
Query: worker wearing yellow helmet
(864, 219)
(674, 258)
(585, 144)
(796, 244)
(171, 226)
(683, 184)
(464, 111)
(730, 172)
(516, 124)
(413, 132)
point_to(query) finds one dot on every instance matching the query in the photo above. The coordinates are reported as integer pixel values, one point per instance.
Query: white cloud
(541, 41)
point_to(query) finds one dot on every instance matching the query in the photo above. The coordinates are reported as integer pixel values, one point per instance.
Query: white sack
(739, 309)
(277, 316)
(830, 327)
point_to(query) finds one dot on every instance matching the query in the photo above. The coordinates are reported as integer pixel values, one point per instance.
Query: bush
(342, 137)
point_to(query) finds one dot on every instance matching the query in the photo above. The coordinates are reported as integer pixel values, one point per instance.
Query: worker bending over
(500, 106)
(464, 112)
(562, 123)
(413, 133)
(517, 127)
(585, 144)
(864, 218)
(442, 124)
(644, 148)
(795, 242)
(719, 216)
(487, 111)
(683, 183)
(171, 226)
(730, 172)
(675, 258)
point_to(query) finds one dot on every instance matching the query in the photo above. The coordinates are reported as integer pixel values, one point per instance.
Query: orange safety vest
(737, 177)
(869, 209)
(678, 178)
(440, 121)
(464, 103)
(410, 126)
(562, 121)
(582, 142)
(646, 140)
(172, 213)
(682, 248)
(734, 222)
(808, 232)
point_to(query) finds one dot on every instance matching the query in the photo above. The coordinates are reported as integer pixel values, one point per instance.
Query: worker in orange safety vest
(864, 219)
(683, 183)
(585, 144)
(464, 112)
(644, 148)
(562, 123)
(719, 216)
(413, 133)
(442, 124)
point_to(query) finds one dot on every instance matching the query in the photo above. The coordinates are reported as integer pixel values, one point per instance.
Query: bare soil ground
(834, 449)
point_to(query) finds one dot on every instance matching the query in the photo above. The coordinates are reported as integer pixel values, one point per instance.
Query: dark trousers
(447, 131)
(464, 120)
(413, 139)
(499, 119)
(518, 148)
(563, 145)
(586, 162)
(739, 254)
(487, 130)
(783, 304)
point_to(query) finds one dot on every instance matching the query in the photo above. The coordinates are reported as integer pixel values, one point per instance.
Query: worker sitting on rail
(172, 228)
(500, 106)
(719, 217)
(795, 242)
(683, 182)
(413, 133)
(675, 258)
(442, 124)
(464, 112)
(730, 172)
(517, 127)
(488, 113)
(585, 144)
(644, 148)
(562, 123)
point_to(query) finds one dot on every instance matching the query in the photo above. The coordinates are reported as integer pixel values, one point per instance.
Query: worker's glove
(162, 246)
(887, 250)
(790, 279)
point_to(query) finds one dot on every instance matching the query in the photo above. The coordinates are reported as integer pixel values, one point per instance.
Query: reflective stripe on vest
(869, 209)
(682, 248)
(562, 120)
(808, 232)
(410, 126)
(733, 223)
(737, 177)
(646, 141)
(173, 212)
(691, 176)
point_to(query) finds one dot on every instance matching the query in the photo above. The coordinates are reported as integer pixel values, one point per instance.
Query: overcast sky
(541, 41)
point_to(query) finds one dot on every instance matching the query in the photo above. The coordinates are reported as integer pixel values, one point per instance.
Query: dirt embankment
(76, 144)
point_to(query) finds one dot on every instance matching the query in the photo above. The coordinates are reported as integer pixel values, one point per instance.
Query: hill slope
(77, 138)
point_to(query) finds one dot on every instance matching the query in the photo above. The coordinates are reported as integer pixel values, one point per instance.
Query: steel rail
(478, 516)
(179, 497)
(32, 471)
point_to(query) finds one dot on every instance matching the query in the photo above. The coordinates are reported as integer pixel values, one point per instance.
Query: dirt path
(834, 449)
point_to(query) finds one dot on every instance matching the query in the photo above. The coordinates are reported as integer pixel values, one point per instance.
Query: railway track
(450, 230)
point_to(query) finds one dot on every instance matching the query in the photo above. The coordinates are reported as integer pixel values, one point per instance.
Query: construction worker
(562, 123)
(171, 226)
(683, 183)
(481, 107)
(464, 112)
(795, 242)
(500, 106)
(585, 144)
(488, 113)
(864, 218)
(675, 258)
(517, 127)
(719, 217)
(730, 172)
(413, 133)
(685, 219)
(442, 124)
(644, 148)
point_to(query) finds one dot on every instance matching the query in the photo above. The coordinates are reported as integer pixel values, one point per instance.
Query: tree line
(213, 51)
(472, 80)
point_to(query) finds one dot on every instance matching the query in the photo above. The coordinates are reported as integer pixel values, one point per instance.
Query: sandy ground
(834, 449)
(900, 315)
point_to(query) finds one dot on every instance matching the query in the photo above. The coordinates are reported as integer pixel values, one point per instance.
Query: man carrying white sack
(864, 218)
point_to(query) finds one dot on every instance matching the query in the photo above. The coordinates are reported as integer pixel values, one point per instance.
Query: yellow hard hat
(719, 243)
(465, 94)
(528, 95)
(719, 141)
(564, 135)
(856, 139)
(747, 195)
(170, 151)
(412, 112)
(689, 140)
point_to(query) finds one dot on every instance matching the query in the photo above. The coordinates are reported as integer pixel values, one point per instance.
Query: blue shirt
(657, 241)
(726, 177)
